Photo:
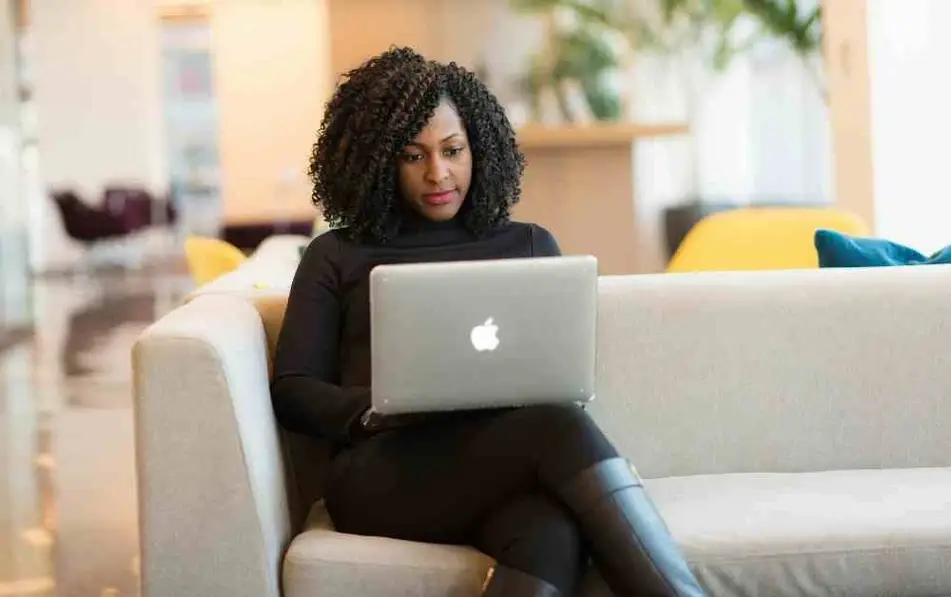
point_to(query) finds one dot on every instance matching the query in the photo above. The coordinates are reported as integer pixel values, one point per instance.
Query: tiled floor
(67, 481)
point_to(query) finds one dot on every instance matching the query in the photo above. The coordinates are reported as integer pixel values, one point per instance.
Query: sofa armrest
(214, 517)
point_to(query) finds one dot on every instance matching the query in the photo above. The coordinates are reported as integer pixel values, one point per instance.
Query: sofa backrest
(777, 371)
(767, 371)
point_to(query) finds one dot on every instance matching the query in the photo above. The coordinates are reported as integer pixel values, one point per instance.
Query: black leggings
(484, 479)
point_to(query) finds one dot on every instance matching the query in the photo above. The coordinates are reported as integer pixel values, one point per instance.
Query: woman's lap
(436, 483)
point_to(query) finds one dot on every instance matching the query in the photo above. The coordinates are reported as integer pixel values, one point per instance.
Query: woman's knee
(567, 440)
(556, 418)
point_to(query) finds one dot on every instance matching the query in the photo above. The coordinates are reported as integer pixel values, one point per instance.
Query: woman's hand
(371, 423)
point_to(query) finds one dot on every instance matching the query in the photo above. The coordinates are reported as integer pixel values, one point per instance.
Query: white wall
(98, 95)
(95, 70)
(789, 120)
(910, 95)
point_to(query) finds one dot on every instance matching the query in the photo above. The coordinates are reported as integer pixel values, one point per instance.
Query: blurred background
(131, 128)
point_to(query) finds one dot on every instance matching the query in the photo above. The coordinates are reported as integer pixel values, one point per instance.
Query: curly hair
(377, 110)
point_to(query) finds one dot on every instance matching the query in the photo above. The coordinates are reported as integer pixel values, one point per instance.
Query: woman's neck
(414, 230)
(413, 223)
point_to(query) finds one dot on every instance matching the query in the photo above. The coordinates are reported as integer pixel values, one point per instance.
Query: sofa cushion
(842, 250)
(323, 562)
(845, 533)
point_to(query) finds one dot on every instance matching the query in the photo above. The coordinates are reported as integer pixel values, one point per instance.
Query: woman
(416, 161)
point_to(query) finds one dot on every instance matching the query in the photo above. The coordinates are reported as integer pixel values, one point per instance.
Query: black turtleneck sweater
(321, 381)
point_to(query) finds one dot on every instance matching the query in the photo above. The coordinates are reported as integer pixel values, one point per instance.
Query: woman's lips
(439, 198)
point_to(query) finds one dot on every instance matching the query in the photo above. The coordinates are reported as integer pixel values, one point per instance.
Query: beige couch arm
(213, 502)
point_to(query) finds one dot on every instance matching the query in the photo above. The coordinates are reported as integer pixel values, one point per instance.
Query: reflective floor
(67, 478)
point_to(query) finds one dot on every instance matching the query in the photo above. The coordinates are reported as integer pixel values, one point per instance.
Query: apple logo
(485, 337)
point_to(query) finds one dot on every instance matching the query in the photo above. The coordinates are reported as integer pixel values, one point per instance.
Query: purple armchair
(138, 207)
(108, 237)
(88, 224)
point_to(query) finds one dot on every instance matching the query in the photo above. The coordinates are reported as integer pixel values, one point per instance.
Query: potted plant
(728, 28)
(590, 41)
(579, 69)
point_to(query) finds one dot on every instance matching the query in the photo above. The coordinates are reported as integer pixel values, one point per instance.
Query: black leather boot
(508, 582)
(631, 545)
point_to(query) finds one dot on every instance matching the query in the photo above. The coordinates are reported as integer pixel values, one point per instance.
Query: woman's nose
(436, 170)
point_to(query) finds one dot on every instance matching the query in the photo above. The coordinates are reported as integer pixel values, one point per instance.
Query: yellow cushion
(760, 239)
(210, 258)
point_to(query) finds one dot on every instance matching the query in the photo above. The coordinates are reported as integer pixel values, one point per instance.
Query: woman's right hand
(371, 422)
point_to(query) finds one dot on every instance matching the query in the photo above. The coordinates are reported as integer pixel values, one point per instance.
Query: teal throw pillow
(841, 250)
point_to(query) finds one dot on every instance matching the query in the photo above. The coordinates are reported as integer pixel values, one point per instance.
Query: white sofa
(794, 428)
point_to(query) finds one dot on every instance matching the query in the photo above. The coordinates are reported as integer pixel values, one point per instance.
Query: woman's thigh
(424, 483)
(437, 482)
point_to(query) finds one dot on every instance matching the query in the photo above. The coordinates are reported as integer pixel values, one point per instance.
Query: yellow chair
(764, 238)
(210, 258)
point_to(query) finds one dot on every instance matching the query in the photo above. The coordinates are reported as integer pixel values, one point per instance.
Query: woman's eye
(412, 157)
(452, 152)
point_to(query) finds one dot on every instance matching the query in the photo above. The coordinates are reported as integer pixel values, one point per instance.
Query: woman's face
(435, 169)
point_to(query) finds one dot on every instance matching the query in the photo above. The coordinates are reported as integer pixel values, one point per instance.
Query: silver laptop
(482, 334)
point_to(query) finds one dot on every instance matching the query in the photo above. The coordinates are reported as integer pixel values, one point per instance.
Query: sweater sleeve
(304, 393)
(544, 243)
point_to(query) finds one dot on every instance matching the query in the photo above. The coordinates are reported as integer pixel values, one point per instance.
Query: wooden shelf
(535, 136)
(184, 11)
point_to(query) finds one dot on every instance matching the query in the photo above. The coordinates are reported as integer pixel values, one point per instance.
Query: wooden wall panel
(847, 59)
